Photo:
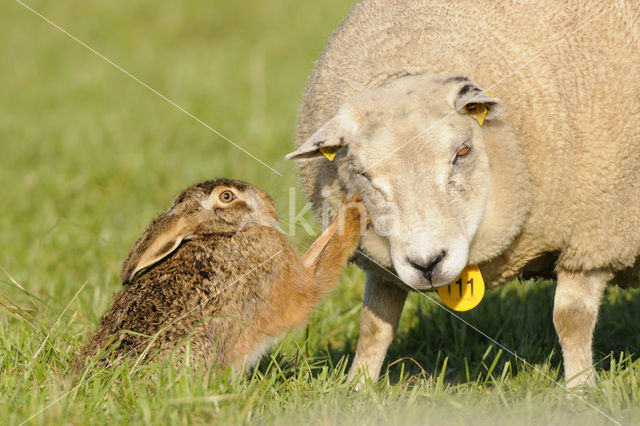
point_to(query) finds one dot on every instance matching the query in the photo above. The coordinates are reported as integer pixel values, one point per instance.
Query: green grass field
(88, 157)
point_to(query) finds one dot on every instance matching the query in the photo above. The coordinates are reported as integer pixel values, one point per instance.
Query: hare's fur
(227, 290)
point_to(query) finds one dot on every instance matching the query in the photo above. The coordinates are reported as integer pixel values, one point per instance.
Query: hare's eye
(227, 196)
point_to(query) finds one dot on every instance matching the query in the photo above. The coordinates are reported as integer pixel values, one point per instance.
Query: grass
(89, 156)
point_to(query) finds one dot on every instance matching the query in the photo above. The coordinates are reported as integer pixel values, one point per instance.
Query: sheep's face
(414, 149)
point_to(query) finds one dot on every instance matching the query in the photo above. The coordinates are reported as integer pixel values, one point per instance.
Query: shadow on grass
(518, 316)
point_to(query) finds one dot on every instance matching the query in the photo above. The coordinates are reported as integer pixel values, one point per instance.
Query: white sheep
(555, 178)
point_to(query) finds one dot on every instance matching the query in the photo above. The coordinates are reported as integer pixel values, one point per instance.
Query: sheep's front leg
(575, 312)
(381, 310)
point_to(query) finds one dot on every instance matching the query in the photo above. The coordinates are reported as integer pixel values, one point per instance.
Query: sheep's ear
(469, 98)
(329, 138)
(160, 239)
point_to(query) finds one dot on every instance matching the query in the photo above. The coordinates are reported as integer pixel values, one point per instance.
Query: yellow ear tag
(465, 292)
(481, 113)
(329, 152)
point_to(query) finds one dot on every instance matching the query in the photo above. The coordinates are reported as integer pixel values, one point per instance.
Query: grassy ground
(89, 156)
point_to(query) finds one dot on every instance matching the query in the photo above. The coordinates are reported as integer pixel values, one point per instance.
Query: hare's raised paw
(356, 197)
(354, 211)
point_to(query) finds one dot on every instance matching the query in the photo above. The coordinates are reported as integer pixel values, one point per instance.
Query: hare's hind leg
(575, 313)
(202, 346)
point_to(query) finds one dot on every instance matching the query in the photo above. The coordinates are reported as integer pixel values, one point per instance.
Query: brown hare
(213, 271)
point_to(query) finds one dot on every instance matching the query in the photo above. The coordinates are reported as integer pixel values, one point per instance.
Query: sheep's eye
(366, 176)
(462, 151)
(227, 196)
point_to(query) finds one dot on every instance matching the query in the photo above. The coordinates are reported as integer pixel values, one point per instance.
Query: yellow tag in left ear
(465, 292)
(481, 113)
(329, 152)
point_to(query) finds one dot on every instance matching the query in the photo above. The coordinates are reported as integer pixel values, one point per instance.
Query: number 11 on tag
(465, 292)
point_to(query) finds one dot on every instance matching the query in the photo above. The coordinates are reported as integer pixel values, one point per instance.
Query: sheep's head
(414, 148)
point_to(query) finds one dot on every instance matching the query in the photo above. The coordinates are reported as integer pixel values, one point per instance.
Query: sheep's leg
(381, 309)
(575, 312)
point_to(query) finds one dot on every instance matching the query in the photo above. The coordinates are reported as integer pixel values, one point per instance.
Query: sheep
(548, 179)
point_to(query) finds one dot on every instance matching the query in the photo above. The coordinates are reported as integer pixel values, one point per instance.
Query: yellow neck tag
(481, 113)
(329, 152)
(465, 292)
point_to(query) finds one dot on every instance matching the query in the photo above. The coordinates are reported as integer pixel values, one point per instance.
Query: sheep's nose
(427, 267)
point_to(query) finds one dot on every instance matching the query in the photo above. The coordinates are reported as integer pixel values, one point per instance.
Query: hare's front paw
(354, 211)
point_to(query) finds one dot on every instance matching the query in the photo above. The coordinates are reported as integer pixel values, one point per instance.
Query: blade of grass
(55, 325)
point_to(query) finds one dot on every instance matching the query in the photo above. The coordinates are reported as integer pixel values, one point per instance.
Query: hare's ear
(328, 139)
(159, 240)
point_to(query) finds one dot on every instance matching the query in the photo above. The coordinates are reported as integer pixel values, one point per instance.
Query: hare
(214, 271)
